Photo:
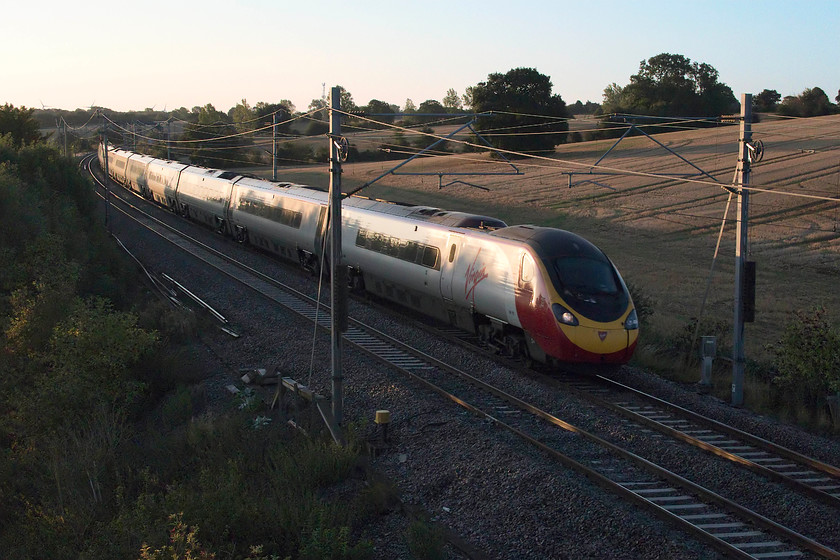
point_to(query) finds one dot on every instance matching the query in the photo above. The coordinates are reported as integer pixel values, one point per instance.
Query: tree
(452, 101)
(18, 123)
(380, 108)
(670, 85)
(812, 102)
(431, 106)
(220, 146)
(283, 110)
(767, 101)
(347, 103)
(409, 107)
(579, 108)
(242, 116)
(318, 104)
(531, 118)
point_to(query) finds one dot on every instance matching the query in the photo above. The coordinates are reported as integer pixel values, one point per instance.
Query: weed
(425, 542)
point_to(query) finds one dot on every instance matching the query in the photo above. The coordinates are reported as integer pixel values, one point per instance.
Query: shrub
(183, 544)
(425, 542)
(681, 342)
(643, 302)
(808, 357)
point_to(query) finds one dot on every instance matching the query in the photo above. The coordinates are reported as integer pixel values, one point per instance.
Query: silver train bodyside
(504, 283)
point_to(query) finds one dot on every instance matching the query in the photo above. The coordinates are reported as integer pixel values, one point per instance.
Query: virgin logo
(474, 276)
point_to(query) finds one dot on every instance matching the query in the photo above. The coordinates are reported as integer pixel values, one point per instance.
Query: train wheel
(512, 346)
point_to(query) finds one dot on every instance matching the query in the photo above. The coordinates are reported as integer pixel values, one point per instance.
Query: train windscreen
(590, 286)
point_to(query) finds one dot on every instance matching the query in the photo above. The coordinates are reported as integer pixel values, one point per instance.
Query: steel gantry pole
(107, 187)
(337, 280)
(741, 249)
(274, 146)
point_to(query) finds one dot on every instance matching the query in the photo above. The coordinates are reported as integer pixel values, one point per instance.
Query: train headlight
(564, 315)
(632, 321)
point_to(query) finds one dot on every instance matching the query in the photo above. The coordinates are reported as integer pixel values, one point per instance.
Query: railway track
(725, 525)
(817, 480)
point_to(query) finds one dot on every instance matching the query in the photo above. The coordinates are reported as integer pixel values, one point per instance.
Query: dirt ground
(658, 213)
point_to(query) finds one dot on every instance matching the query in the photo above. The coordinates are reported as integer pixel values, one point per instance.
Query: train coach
(539, 293)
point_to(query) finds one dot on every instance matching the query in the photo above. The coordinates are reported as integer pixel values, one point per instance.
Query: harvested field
(658, 217)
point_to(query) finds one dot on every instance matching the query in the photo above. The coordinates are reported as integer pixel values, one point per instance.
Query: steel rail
(819, 481)
(414, 363)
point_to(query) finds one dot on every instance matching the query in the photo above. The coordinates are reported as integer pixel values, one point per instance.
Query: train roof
(426, 213)
(550, 243)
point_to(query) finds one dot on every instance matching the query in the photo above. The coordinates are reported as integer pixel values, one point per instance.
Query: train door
(448, 261)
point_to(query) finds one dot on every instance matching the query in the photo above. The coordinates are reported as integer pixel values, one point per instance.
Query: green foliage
(333, 543)
(425, 542)
(183, 544)
(644, 303)
(243, 488)
(452, 101)
(812, 102)
(670, 85)
(430, 106)
(767, 101)
(377, 107)
(19, 125)
(681, 342)
(808, 357)
(242, 117)
(88, 361)
(532, 118)
(588, 108)
(218, 145)
(265, 111)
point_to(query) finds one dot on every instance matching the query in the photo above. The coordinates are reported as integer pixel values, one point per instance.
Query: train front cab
(571, 300)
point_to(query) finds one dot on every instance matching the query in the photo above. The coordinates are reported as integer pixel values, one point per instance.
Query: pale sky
(133, 55)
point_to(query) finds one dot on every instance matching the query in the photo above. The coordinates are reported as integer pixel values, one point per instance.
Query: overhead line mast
(744, 271)
(338, 279)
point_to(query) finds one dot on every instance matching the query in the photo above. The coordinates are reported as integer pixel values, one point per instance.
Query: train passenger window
(430, 256)
(452, 253)
(526, 270)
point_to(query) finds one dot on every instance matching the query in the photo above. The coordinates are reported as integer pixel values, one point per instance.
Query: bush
(425, 542)
(643, 302)
(808, 357)
(721, 329)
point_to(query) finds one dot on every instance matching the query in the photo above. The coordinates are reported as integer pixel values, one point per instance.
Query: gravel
(505, 499)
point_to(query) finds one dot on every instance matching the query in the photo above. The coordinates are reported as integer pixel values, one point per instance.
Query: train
(541, 294)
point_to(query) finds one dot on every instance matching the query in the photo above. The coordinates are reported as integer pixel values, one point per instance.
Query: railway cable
(575, 164)
(629, 484)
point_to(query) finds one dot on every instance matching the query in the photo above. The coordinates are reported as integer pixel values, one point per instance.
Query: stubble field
(658, 217)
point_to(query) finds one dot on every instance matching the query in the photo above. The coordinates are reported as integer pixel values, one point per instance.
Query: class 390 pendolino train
(544, 294)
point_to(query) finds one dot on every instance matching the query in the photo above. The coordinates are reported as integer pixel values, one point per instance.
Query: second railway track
(730, 528)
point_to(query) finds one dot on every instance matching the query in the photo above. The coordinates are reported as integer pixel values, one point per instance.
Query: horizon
(76, 60)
